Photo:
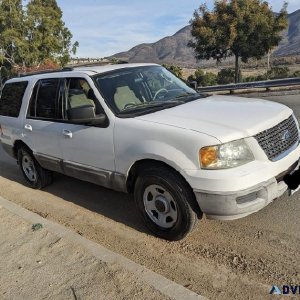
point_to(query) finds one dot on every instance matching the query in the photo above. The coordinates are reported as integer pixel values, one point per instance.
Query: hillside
(290, 45)
(173, 49)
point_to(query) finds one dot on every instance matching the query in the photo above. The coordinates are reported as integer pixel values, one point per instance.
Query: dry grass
(246, 71)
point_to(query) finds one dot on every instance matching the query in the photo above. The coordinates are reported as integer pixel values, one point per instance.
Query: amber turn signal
(208, 156)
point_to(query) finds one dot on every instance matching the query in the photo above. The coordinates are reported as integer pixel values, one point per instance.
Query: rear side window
(11, 98)
(45, 102)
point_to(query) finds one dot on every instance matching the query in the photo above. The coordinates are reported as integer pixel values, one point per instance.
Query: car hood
(226, 118)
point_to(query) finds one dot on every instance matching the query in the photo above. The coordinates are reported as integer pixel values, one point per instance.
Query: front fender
(157, 151)
(137, 140)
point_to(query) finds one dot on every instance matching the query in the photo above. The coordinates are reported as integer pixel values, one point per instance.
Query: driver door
(88, 151)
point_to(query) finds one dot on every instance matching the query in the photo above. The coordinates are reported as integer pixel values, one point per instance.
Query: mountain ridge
(174, 50)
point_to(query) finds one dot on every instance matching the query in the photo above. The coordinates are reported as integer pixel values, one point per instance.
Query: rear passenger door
(42, 127)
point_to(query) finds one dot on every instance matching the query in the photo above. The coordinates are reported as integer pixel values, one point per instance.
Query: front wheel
(165, 203)
(36, 176)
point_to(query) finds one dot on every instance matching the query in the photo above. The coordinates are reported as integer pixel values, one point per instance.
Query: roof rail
(46, 72)
(121, 62)
(90, 65)
(85, 69)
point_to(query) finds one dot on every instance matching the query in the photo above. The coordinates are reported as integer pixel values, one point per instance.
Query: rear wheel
(165, 202)
(36, 176)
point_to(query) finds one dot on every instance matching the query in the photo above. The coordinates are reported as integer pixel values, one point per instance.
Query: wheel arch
(17, 145)
(139, 165)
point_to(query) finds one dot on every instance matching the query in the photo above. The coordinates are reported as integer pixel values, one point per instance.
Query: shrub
(226, 76)
(261, 77)
(176, 70)
(202, 78)
(296, 74)
(255, 78)
(278, 73)
(250, 79)
(209, 79)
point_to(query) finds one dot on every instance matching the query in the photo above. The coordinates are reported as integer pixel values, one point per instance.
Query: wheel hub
(162, 204)
(28, 168)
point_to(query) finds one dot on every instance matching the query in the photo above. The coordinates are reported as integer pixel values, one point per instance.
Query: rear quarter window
(11, 98)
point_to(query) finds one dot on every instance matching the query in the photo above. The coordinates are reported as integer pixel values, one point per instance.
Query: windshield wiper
(151, 105)
(187, 95)
(191, 96)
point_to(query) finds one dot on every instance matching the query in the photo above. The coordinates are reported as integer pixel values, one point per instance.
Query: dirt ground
(40, 265)
(240, 259)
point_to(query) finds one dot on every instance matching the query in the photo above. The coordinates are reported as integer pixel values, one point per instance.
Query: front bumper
(8, 149)
(235, 193)
(235, 205)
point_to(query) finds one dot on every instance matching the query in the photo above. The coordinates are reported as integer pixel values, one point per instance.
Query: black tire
(182, 194)
(42, 177)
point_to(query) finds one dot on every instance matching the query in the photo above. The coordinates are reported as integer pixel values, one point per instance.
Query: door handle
(28, 127)
(67, 133)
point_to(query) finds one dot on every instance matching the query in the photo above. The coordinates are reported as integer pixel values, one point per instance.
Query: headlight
(229, 155)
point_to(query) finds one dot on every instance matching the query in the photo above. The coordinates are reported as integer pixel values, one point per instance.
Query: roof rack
(46, 72)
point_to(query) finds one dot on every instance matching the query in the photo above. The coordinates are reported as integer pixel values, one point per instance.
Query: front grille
(278, 139)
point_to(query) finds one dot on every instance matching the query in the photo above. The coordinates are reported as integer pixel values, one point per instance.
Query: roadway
(240, 259)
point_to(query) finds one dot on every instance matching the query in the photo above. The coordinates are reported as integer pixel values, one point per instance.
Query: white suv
(137, 128)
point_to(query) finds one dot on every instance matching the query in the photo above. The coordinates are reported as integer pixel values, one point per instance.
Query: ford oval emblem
(286, 135)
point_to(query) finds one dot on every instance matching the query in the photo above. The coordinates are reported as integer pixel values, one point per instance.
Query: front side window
(142, 88)
(79, 93)
(11, 98)
(46, 100)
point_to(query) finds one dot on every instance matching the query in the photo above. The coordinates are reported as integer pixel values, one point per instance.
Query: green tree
(240, 28)
(32, 35)
(48, 36)
(12, 32)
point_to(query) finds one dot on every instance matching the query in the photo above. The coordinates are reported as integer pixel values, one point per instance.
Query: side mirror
(193, 84)
(85, 115)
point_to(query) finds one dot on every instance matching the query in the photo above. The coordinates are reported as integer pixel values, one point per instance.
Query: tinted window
(11, 98)
(45, 100)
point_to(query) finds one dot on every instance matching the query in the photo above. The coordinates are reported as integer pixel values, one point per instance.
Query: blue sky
(105, 27)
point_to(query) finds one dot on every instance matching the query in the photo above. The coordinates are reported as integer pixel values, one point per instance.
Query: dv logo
(286, 290)
(275, 290)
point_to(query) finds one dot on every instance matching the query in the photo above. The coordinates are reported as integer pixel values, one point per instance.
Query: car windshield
(143, 89)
